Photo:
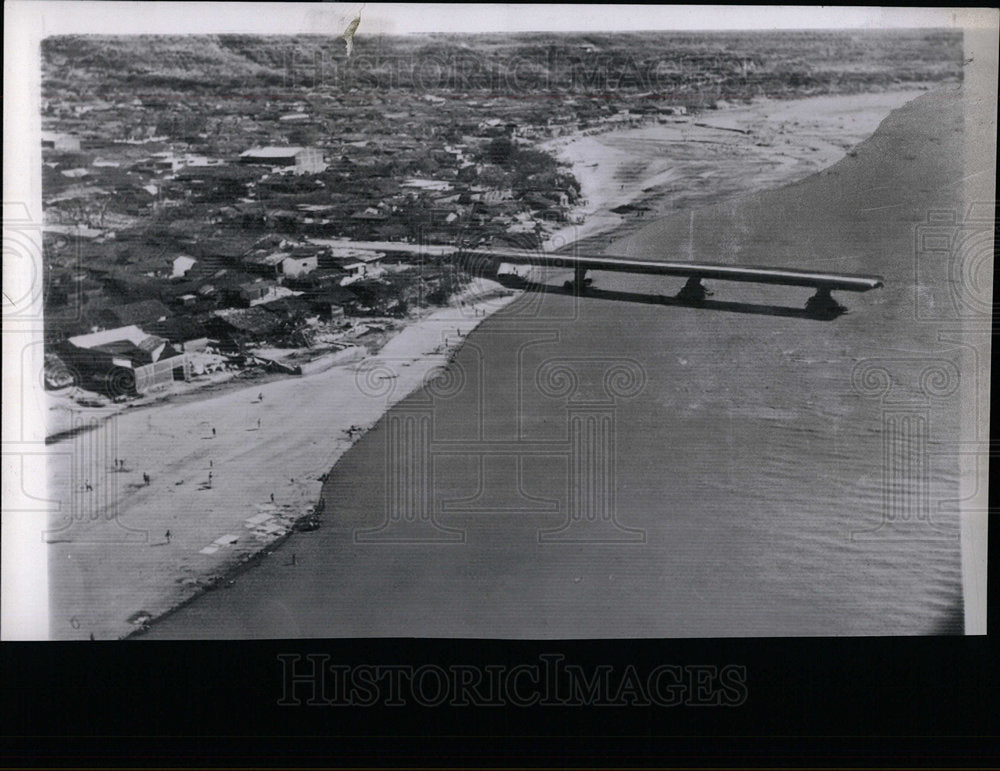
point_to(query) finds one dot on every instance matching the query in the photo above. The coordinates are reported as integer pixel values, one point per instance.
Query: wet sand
(750, 492)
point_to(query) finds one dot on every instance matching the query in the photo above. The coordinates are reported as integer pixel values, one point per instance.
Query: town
(183, 256)
(198, 228)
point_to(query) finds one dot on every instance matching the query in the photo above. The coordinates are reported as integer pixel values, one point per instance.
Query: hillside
(691, 67)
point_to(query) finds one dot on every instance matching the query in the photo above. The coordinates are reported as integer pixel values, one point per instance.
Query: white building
(181, 265)
(126, 359)
(298, 266)
(55, 141)
(301, 160)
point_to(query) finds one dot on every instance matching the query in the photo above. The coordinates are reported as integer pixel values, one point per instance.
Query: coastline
(768, 406)
(182, 572)
(265, 477)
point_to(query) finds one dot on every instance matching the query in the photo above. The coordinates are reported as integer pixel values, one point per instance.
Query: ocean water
(611, 466)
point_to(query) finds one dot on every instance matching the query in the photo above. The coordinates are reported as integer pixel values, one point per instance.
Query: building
(436, 185)
(124, 361)
(141, 312)
(256, 292)
(264, 263)
(362, 265)
(181, 264)
(302, 160)
(299, 265)
(55, 141)
(184, 333)
(332, 302)
(237, 327)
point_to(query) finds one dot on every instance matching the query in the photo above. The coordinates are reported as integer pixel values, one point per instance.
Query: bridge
(694, 292)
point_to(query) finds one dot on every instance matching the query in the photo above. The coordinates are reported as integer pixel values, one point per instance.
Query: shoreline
(118, 589)
(201, 578)
(694, 161)
(735, 550)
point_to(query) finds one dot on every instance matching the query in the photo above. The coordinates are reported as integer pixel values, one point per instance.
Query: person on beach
(88, 487)
(145, 478)
(260, 396)
(167, 535)
(272, 497)
(213, 430)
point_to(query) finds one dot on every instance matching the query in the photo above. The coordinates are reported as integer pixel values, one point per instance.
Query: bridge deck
(760, 275)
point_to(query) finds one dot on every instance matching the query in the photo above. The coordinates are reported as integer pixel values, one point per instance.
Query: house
(216, 183)
(55, 141)
(255, 292)
(370, 214)
(180, 265)
(299, 265)
(141, 312)
(264, 263)
(124, 361)
(231, 247)
(427, 184)
(302, 160)
(182, 332)
(239, 326)
(492, 197)
(361, 265)
(291, 306)
(331, 302)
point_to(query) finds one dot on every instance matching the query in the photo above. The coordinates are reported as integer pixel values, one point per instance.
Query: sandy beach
(229, 474)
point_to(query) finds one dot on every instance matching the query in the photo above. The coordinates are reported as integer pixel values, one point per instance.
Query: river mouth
(608, 469)
(632, 177)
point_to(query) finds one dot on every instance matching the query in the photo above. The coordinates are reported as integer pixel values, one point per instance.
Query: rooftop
(272, 152)
(130, 333)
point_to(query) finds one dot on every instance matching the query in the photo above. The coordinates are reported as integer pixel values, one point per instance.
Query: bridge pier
(823, 304)
(693, 291)
(579, 282)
